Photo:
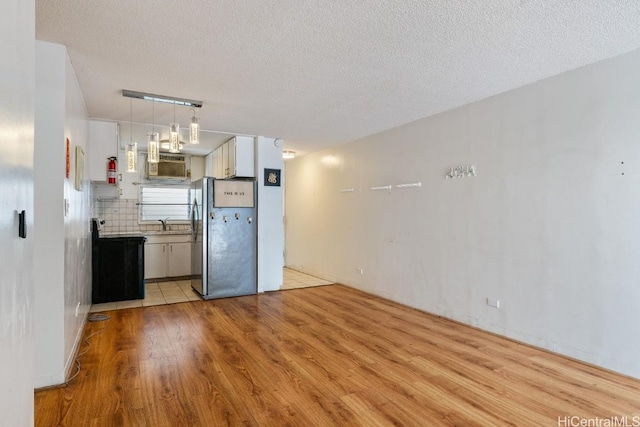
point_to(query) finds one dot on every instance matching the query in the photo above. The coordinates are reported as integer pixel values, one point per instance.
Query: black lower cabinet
(118, 269)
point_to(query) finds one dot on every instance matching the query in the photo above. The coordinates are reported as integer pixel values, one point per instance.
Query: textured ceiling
(320, 73)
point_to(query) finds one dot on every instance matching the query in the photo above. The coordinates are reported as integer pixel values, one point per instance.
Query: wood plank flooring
(324, 356)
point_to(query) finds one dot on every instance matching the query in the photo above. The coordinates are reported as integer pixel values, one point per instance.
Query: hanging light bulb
(174, 134)
(132, 147)
(153, 141)
(174, 140)
(194, 129)
(132, 157)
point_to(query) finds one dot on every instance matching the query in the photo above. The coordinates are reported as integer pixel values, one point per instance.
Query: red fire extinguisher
(112, 168)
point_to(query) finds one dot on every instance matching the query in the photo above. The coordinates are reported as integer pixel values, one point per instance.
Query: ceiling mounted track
(161, 98)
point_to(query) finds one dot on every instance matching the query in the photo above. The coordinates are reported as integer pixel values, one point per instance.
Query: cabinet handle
(164, 248)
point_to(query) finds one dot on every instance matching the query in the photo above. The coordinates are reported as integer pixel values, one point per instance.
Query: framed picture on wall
(68, 156)
(272, 177)
(79, 168)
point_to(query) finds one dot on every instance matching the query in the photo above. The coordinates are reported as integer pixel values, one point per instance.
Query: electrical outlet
(495, 303)
(78, 309)
(360, 271)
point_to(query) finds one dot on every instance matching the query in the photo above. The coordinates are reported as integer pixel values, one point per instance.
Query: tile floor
(156, 293)
(294, 279)
(160, 293)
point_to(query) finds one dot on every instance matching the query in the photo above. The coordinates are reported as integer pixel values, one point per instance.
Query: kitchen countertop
(146, 233)
(168, 232)
(123, 236)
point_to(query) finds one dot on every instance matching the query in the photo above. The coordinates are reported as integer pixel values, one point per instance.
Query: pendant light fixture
(153, 140)
(132, 147)
(194, 129)
(174, 134)
(132, 157)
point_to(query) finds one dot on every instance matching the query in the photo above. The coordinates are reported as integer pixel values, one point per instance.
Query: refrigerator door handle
(194, 219)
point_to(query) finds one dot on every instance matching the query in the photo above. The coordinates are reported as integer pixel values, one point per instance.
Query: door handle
(22, 224)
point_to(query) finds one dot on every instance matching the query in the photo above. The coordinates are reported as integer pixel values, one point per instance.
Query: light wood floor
(320, 356)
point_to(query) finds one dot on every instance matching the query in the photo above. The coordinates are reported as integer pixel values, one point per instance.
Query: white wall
(49, 192)
(197, 167)
(63, 243)
(77, 271)
(270, 214)
(550, 225)
(17, 28)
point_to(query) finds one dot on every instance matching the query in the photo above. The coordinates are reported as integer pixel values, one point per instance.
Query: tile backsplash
(121, 216)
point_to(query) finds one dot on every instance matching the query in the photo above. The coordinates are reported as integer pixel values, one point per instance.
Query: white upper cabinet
(209, 167)
(225, 160)
(235, 158)
(241, 157)
(220, 164)
(103, 143)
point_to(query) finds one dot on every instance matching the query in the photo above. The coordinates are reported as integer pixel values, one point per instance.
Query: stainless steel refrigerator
(224, 240)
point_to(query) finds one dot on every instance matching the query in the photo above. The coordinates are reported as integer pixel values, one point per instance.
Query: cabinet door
(179, 261)
(117, 270)
(243, 148)
(225, 160)
(210, 164)
(155, 264)
(220, 160)
(231, 153)
(103, 143)
(133, 261)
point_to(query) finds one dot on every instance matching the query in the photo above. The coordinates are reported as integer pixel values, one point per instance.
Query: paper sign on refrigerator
(233, 194)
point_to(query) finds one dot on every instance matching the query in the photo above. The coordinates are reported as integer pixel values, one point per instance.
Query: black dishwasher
(118, 268)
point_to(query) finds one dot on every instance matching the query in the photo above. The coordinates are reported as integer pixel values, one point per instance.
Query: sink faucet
(164, 223)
